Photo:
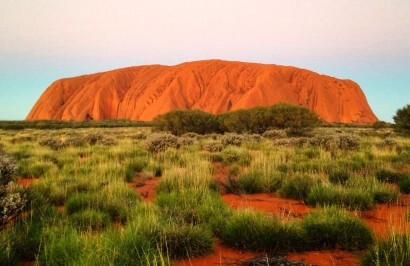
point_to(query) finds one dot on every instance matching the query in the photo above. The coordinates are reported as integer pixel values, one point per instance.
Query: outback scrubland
(141, 196)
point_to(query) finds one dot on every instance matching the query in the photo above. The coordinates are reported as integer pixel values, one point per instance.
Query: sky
(367, 41)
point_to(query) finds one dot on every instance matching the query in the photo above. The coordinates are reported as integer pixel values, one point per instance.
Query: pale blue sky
(367, 41)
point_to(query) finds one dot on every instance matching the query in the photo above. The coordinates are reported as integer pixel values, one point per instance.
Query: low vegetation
(85, 200)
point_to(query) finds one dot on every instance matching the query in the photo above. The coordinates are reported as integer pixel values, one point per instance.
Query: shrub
(404, 185)
(232, 139)
(90, 220)
(236, 155)
(326, 142)
(94, 138)
(8, 170)
(214, 146)
(297, 187)
(54, 144)
(179, 122)
(12, 201)
(76, 142)
(389, 144)
(348, 142)
(296, 119)
(139, 135)
(184, 141)
(334, 228)
(274, 134)
(402, 120)
(339, 177)
(351, 198)
(393, 251)
(160, 142)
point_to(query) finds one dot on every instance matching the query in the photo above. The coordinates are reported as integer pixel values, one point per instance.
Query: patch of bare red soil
(388, 218)
(326, 258)
(27, 182)
(222, 255)
(270, 203)
(145, 187)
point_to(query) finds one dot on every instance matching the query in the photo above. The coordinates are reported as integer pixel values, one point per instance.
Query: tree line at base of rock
(296, 119)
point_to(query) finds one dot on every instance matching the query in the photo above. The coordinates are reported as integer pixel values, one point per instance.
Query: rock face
(215, 86)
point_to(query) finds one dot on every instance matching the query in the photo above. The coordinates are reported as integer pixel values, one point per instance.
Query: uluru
(215, 86)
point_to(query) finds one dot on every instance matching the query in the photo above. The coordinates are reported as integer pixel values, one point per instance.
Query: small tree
(402, 120)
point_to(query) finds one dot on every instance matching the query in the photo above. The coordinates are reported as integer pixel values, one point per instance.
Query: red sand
(326, 258)
(145, 187)
(215, 86)
(27, 182)
(221, 255)
(388, 218)
(285, 208)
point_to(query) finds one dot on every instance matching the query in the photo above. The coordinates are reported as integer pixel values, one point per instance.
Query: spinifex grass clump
(133, 168)
(90, 220)
(297, 187)
(332, 227)
(339, 177)
(404, 184)
(194, 207)
(248, 229)
(393, 251)
(184, 241)
(390, 176)
(236, 155)
(350, 198)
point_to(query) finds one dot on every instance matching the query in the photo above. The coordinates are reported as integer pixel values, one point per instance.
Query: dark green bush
(402, 120)
(296, 119)
(179, 122)
(335, 228)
